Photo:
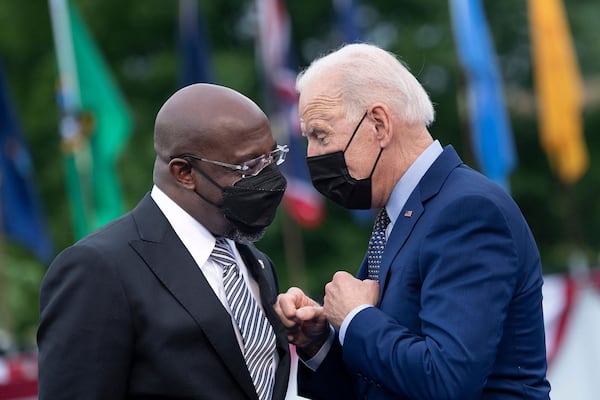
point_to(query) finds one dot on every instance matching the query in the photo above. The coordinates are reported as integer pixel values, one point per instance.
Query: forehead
(238, 141)
(318, 103)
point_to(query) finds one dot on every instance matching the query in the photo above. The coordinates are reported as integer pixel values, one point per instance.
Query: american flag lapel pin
(408, 213)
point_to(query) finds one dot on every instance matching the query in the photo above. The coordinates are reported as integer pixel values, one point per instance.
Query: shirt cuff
(316, 360)
(348, 319)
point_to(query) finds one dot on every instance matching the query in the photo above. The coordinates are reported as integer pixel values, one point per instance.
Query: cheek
(312, 148)
(360, 158)
(354, 161)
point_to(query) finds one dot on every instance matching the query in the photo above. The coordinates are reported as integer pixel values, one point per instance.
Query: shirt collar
(410, 180)
(195, 237)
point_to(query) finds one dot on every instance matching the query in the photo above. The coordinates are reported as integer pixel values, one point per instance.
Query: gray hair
(368, 74)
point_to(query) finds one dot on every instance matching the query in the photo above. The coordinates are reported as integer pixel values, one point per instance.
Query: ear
(380, 113)
(181, 170)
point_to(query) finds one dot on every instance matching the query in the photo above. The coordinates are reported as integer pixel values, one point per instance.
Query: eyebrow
(309, 132)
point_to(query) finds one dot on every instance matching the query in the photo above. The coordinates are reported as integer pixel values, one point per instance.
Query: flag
(559, 90)
(491, 134)
(194, 49)
(346, 16)
(348, 31)
(22, 217)
(302, 202)
(95, 125)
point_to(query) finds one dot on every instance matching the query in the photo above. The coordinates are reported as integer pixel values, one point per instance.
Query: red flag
(302, 202)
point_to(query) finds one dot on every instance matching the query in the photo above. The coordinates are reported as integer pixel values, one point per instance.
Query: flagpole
(272, 43)
(65, 55)
(70, 124)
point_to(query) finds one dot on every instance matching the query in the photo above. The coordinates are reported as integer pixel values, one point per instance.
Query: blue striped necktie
(257, 333)
(377, 244)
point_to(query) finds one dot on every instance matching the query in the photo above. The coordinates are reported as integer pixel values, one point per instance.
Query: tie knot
(222, 253)
(382, 220)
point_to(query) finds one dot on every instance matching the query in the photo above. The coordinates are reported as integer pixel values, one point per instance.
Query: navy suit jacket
(459, 313)
(127, 314)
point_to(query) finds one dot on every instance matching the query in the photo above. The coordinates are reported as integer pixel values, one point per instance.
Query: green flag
(96, 123)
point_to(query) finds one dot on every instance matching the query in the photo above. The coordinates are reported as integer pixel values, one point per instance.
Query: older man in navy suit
(447, 303)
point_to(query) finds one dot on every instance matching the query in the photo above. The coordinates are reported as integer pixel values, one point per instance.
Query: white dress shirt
(200, 244)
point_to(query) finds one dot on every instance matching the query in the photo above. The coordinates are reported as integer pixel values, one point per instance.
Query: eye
(254, 165)
(322, 138)
(318, 136)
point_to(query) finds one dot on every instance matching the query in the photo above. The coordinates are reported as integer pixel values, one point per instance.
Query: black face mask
(251, 203)
(330, 176)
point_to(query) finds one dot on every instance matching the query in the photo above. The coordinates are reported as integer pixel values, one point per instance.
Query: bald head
(200, 114)
(202, 123)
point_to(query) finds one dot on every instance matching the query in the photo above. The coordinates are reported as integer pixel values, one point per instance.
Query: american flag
(302, 202)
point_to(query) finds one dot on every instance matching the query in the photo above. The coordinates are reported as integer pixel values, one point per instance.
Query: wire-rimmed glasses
(250, 167)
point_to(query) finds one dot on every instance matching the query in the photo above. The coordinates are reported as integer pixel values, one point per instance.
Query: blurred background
(515, 84)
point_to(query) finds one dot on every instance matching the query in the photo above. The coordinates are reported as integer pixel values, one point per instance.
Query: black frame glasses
(250, 167)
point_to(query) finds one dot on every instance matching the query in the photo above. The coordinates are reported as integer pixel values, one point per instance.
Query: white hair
(367, 74)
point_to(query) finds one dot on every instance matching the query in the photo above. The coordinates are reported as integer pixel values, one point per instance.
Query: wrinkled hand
(303, 319)
(344, 293)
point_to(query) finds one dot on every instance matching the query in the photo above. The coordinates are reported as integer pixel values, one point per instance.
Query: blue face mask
(330, 176)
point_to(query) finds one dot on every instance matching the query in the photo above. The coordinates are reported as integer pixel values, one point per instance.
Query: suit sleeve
(85, 332)
(330, 381)
(468, 266)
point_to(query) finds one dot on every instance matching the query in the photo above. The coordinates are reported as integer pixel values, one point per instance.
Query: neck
(396, 159)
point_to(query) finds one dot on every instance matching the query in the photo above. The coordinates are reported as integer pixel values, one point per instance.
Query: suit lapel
(403, 226)
(172, 264)
(429, 185)
(261, 269)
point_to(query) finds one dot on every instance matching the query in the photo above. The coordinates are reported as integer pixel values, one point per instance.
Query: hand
(303, 319)
(344, 293)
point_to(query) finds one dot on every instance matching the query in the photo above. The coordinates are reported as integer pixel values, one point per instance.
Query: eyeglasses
(250, 167)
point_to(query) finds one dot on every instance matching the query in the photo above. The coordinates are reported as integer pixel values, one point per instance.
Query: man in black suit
(138, 309)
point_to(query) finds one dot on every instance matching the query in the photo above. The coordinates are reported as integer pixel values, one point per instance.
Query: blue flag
(346, 21)
(491, 134)
(194, 49)
(348, 31)
(22, 219)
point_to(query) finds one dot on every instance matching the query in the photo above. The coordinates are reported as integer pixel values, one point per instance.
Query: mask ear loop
(204, 174)
(211, 180)
(376, 162)
(355, 130)
(352, 137)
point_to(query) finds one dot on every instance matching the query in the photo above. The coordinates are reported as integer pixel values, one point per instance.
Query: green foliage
(138, 40)
(20, 297)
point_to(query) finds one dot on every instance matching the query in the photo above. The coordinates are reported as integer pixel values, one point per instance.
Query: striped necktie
(257, 333)
(377, 244)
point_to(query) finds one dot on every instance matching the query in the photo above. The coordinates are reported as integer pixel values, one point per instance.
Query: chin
(246, 237)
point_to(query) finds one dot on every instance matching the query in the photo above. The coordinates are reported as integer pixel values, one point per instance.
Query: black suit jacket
(127, 313)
